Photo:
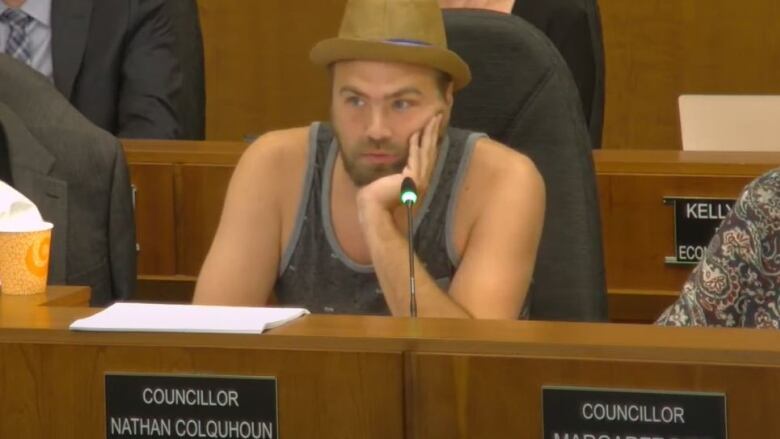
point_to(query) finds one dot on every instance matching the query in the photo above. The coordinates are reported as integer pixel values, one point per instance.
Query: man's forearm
(390, 257)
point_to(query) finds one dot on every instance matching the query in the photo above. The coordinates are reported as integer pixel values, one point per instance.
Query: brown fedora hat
(406, 31)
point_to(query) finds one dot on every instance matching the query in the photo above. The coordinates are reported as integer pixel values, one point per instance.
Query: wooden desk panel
(171, 152)
(499, 397)
(202, 190)
(58, 390)
(52, 380)
(357, 376)
(155, 217)
(638, 229)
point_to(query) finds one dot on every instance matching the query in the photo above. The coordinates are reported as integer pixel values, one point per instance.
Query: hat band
(404, 42)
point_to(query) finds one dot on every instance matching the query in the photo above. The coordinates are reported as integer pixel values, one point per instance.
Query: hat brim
(332, 50)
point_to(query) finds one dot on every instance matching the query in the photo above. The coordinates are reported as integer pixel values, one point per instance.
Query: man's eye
(401, 105)
(355, 101)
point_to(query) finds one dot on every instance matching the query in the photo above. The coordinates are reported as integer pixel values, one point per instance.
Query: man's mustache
(371, 145)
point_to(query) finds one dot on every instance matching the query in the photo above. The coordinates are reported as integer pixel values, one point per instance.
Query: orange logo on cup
(37, 257)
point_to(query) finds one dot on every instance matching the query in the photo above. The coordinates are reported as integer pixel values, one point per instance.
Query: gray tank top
(315, 273)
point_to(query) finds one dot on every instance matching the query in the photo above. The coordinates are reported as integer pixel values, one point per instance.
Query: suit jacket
(114, 60)
(77, 176)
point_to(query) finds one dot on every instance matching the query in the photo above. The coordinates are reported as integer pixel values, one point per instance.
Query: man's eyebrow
(396, 94)
(349, 89)
(405, 91)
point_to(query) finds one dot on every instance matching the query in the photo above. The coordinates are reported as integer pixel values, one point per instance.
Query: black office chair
(574, 26)
(189, 49)
(523, 95)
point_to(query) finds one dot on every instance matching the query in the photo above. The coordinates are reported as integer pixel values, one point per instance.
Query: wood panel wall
(259, 78)
(657, 50)
(258, 74)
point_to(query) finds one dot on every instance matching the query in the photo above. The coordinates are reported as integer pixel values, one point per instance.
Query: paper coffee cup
(24, 259)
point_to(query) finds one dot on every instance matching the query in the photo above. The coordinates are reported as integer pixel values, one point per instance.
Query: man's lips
(379, 158)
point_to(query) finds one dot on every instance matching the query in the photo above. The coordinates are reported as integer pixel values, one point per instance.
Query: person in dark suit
(77, 176)
(112, 59)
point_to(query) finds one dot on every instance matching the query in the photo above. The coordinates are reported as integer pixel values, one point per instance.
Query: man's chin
(364, 178)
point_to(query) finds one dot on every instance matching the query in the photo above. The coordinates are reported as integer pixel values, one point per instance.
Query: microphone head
(408, 192)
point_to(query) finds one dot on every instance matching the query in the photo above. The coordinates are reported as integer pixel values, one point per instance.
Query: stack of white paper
(147, 317)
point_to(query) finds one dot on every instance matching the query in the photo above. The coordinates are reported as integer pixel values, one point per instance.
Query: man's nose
(378, 127)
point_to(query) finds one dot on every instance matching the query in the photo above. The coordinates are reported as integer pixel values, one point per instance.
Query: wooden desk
(638, 229)
(181, 188)
(358, 377)
(52, 379)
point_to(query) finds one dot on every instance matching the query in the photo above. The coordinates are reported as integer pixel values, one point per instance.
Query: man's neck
(15, 4)
(341, 183)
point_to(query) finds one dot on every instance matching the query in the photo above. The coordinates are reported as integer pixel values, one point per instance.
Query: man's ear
(449, 95)
(446, 109)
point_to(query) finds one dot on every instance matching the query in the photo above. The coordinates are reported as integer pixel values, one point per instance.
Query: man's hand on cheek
(423, 149)
(383, 194)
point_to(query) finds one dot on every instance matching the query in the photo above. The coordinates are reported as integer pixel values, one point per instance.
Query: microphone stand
(412, 289)
(408, 198)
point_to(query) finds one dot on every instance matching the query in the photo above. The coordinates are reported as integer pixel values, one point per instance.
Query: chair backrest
(523, 95)
(574, 26)
(730, 122)
(189, 49)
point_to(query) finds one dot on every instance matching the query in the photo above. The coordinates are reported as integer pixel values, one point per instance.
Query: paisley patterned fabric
(737, 283)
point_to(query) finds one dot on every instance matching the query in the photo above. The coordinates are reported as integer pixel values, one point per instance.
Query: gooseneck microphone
(409, 198)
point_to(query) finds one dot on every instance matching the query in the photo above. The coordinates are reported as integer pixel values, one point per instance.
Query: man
(112, 59)
(737, 283)
(76, 175)
(313, 214)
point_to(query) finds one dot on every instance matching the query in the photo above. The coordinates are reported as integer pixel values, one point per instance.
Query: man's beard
(363, 174)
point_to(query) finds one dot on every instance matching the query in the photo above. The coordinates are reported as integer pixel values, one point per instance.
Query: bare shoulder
(276, 159)
(276, 149)
(495, 166)
(499, 180)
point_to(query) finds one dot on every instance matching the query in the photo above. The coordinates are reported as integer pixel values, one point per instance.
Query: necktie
(18, 44)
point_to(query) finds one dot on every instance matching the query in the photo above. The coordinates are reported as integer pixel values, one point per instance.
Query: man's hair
(443, 80)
